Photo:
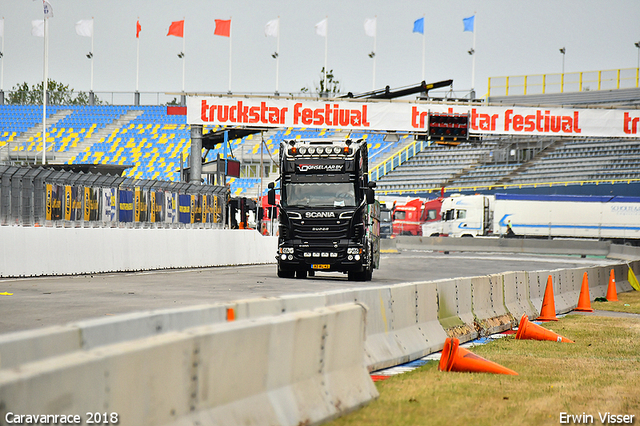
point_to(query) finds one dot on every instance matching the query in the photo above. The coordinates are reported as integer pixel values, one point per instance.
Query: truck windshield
(340, 194)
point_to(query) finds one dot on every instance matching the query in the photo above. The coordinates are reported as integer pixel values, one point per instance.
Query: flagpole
(137, 55)
(230, 55)
(92, 54)
(44, 91)
(183, 56)
(473, 60)
(277, 56)
(326, 38)
(375, 36)
(423, 46)
(2, 58)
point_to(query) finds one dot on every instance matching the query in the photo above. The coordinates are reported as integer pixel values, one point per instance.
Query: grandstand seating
(152, 143)
(144, 137)
(586, 160)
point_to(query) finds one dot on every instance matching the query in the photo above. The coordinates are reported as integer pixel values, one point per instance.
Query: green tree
(332, 85)
(59, 94)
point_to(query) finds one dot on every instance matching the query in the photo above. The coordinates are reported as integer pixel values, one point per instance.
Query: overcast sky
(513, 37)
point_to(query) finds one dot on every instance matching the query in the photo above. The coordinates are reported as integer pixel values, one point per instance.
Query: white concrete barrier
(299, 368)
(516, 295)
(455, 308)
(403, 322)
(33, 345)
(26, 251)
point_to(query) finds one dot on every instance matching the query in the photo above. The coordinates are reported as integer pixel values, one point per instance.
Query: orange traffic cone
(548, 309)
(612, 292)
(455, 358)
(530, 331)
(584, 301)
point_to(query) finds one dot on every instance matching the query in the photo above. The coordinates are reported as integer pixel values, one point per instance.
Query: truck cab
(467, 216)
(329, 219)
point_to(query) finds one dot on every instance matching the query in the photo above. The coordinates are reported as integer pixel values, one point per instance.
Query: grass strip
(598, 374)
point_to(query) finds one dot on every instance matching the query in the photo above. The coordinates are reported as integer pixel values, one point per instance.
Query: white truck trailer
(601, 217)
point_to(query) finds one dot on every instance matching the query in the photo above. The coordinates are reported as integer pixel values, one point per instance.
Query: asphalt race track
(41, 302)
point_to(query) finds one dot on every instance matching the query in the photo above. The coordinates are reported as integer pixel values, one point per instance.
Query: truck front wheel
(285, 274)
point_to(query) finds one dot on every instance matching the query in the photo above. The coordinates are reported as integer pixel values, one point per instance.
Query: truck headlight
(286, 250)
(354, 250)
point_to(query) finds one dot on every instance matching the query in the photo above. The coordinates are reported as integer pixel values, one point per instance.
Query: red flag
(138, 29)
(176, 29)
(223, 27)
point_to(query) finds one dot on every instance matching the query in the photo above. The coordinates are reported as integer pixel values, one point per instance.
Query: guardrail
(560, 82)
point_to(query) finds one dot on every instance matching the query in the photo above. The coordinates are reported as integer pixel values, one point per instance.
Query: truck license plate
(321, 266)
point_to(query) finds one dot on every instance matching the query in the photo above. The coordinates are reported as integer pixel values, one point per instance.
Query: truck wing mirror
(371, 195)
(271, 195)
(372, 184)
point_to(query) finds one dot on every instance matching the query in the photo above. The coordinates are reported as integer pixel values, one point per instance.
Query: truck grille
(319, 230)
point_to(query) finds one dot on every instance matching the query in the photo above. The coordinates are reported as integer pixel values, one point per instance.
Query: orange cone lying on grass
(530, 331)
(612, 291)
(548, 309)
(584, 301)
(455, 358)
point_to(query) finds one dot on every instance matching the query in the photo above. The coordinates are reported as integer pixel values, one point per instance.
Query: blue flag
(468, 23)
(418, 26)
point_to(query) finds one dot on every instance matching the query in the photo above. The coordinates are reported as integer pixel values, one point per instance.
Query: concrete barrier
(506, 245)
(488, 305)
(516, 295)
(26, 251)
(455, 308)
(34, 345)
(381, 346)
(403, 322)
(299, 368)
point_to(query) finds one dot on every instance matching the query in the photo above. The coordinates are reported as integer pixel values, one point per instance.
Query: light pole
(563, 51)
(637, 44)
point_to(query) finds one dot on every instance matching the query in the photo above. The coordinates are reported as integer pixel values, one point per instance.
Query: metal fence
(624, 78)
(45, 197)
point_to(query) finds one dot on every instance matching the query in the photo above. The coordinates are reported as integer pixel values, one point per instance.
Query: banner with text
(409, 117)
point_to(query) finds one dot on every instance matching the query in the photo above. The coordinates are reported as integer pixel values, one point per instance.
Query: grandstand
(152, 143)
(498, 162)
(147, 139)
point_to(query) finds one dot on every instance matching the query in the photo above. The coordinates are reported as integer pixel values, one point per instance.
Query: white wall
(26, 251)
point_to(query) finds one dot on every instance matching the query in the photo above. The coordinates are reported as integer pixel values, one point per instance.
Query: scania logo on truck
(319, 214)
(305, 168)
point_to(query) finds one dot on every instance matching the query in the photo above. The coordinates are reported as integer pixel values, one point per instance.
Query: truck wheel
(285, 274)
(368, 274)
(357, 276)
(301, 274)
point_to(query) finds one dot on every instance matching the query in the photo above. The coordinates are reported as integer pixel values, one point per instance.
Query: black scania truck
(329, 219)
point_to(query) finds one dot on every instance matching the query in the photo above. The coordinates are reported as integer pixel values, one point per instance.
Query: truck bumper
(321, 264)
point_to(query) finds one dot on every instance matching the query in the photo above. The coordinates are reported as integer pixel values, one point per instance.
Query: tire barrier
(403, 322)
(299, 368)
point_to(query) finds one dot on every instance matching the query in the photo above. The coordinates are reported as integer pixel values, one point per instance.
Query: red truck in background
(408, 218)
